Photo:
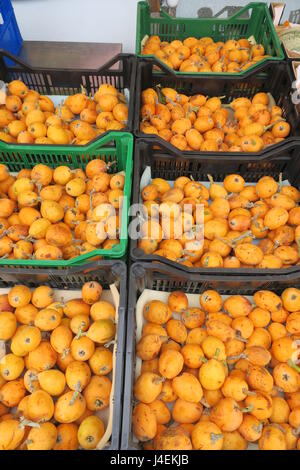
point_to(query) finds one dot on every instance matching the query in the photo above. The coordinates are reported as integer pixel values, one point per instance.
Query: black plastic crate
(120, 72)
(163, 278)
(276, 79)
(165, 163)
(105, 272)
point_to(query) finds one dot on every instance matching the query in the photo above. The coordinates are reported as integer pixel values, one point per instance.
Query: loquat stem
(217, 353)
(149, 114)
(27, 239)
(280, 182)
(26, 422)
(254, 220)
(75, 394)
(239, 337)
(83, 90)
(224, 240)
(276, 243)
(241, 237)
(158, 380)
(65, 353)
(161, 98)
(210, 179)
(266, 128)
(39, 187)
(204, 403)
(236, 358)
(144, 118)
(122, 98)
(293, 365)
(4, 233)
(249, 392)
(91, 199)
(80, 333)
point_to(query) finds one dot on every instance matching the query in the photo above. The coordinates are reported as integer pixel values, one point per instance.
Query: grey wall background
(190, 7)
(99, 20)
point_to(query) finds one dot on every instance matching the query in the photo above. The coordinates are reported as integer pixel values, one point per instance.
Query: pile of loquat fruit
(222, 225)
(219, 376)
(30, 118)
(53, 214)
(200, 123)
(205, 55)
(54, 374)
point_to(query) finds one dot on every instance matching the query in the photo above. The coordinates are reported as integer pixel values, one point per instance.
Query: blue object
(10, 36)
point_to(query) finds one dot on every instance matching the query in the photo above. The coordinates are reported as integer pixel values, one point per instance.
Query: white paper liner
(277, 10)
(112, 296)
(147, 296)
(297, 74)
(147, 179)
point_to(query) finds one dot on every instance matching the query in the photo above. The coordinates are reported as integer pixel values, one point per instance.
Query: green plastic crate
(115, 146)
(259, 25)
